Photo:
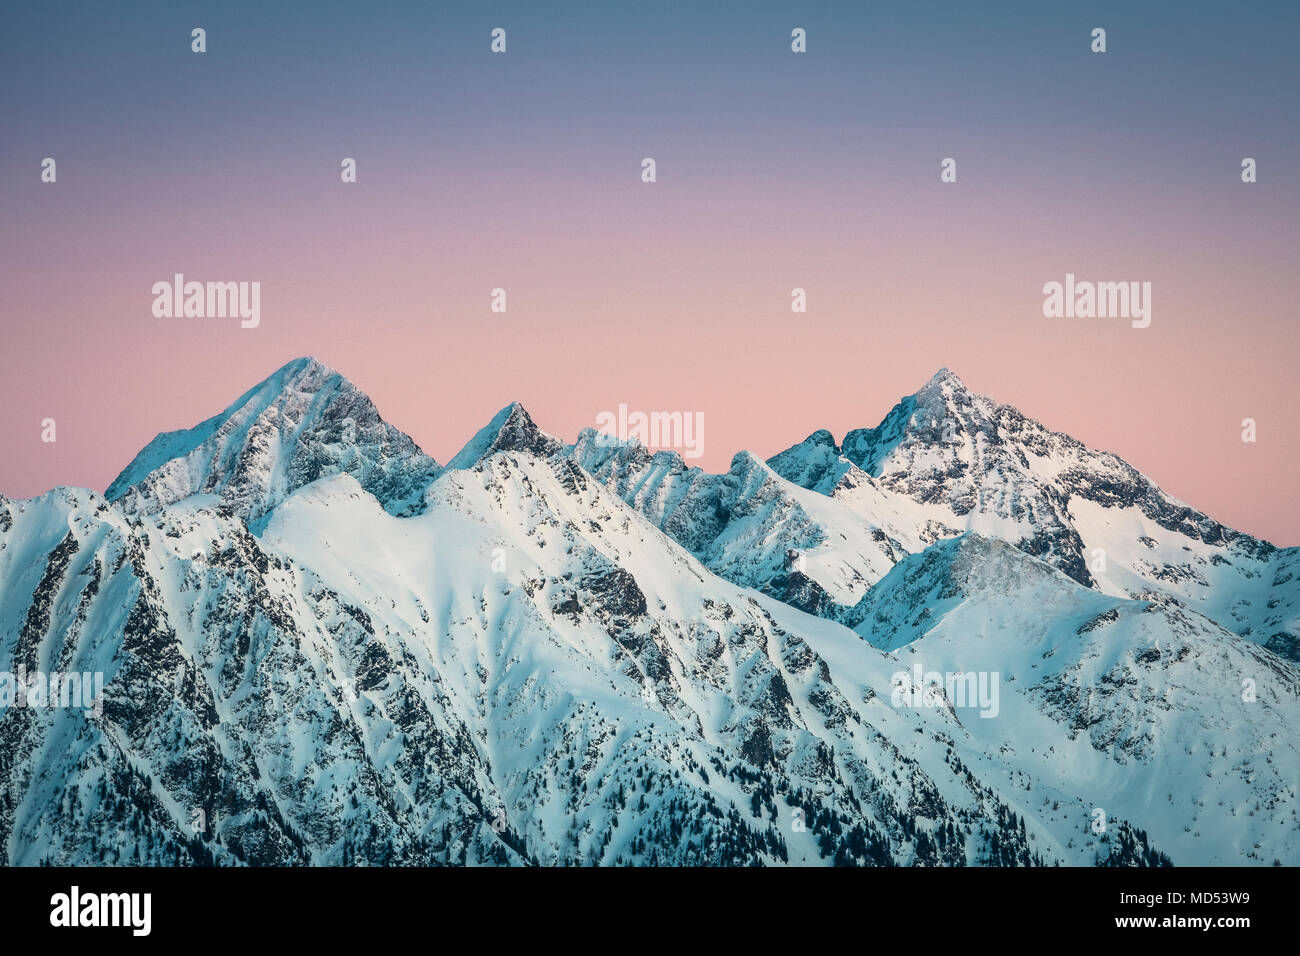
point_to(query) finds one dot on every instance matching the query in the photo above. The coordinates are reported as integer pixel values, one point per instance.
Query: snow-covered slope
(304, 422)
(1155, 712)
(226, 733)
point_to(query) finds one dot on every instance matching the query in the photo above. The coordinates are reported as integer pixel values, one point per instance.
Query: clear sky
(775, 170)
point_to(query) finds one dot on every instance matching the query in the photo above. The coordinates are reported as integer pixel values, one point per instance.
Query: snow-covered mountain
(954, 461)
(320, 648)
(303, 423)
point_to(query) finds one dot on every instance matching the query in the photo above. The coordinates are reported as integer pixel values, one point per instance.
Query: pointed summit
(814, 463)
(303, 422)
(511, 429)
(945, 374)
(944, 395)
(941, 407)
(819, 464)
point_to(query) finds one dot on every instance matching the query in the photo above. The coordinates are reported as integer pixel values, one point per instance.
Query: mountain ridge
(942, 461)
(330, 651)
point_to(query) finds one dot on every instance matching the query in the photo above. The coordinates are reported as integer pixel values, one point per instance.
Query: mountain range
(322, 647)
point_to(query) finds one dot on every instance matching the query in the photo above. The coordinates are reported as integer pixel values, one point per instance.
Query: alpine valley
(320, 647)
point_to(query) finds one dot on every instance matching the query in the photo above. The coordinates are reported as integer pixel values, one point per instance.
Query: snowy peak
(932, 415)
(511, 429)
(303, 422)
(947, 445)
(944, 382)
(945, 398)
(815, 463)
(598, 451)
(937, 414)
(946, 460)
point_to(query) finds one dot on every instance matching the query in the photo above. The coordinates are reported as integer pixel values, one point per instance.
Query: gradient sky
(775, 170)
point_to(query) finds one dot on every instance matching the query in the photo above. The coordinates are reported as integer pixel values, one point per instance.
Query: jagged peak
(747, 461)
(511, 429)
(303, 421)
(512, 416)
(814, 463)
(515, 415)
(946, 376)
(303, 364)
(944, 382)
(303, 374)
(821, 438)
(944, 389)
(820, 441)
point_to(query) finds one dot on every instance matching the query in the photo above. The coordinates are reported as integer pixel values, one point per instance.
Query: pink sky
(775, 170)
(665, 298)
